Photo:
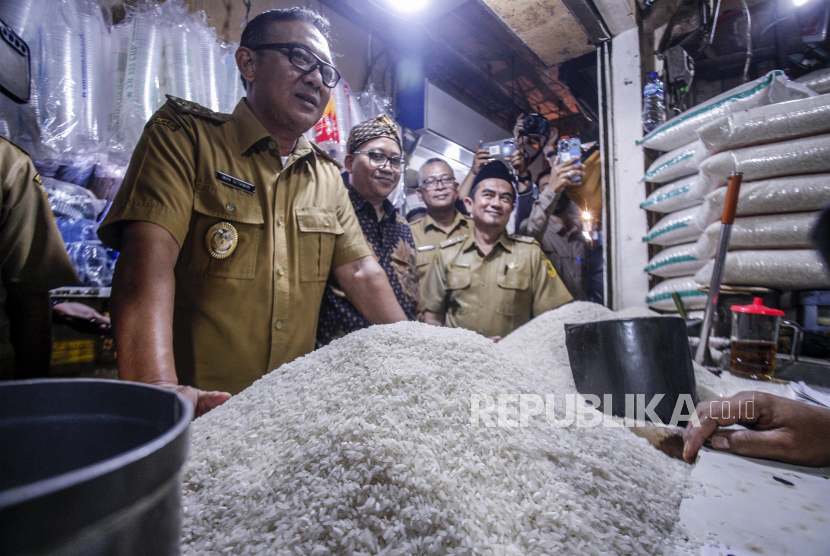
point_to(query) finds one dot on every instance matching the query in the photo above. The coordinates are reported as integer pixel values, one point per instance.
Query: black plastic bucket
(91, 467)
(647, 356)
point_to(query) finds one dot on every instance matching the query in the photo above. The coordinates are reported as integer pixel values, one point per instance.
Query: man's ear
(347, 163)
(246, 63)
(419, 194)
(468, 203)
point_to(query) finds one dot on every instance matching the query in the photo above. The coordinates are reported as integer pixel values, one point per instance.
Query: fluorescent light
(408, 5)
(800, 2)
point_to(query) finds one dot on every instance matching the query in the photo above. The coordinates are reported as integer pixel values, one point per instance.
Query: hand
(777, 428)
(520, 140)
(517, 160)
(83, 312)
(481, 158)
(550, 146)
(202, 401)
(561, 173)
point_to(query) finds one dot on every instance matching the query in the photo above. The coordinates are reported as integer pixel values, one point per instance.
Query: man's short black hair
(543, 173)
(433, 160)
(258, 30)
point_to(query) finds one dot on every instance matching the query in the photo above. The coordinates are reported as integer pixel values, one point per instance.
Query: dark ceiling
(465, 50)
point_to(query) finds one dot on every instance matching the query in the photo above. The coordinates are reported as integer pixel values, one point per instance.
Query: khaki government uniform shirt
(428, 236)
(239, 317)
(491, 295)
(33, 258)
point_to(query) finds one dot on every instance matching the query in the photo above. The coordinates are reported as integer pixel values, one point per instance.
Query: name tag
(236, 183)
(426, 248)
(460, 266)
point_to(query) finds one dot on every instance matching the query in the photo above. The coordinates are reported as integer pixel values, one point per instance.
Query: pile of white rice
(366, 446)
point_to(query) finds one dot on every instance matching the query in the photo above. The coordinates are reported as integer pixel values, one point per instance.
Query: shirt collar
(503, 240)
(457, 222)
(360, 203)
(250, 131)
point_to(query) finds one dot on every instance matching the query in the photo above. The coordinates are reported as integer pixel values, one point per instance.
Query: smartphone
(570, 149)
(14, 61)
(500, 149)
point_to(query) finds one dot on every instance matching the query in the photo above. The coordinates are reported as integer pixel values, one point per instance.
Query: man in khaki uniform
(229, 226)
(488, 281)
(439, 191)
(33, 261)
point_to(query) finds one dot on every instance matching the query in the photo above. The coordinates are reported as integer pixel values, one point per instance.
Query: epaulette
(324, 154)
(447, 242)
(187, 107)
(523, 239)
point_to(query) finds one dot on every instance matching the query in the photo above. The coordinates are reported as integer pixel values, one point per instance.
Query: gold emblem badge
(221, 240)
(550, 269)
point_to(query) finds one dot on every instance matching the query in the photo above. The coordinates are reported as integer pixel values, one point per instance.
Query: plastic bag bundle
(212, 69)
(142, 77)
(767, 124)
(60, 84)
(786, 270)
(181, 54)
(795, 157)
(93, 262)
(332, 131)
(673, 196)
(355, 110)
(234, 90)
(72, 201)
(74, 230)
(116, 74)
(94, 36)
(770, 231)
(680, 130)
(818, 81)
(677, 164)
(775, 196)
(107, 180)
(660, 296)
(675, 228)
(375, 103)
(680, 260)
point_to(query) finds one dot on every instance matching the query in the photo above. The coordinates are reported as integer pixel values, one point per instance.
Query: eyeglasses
(305, 60)
(431, 184)
(379, 160)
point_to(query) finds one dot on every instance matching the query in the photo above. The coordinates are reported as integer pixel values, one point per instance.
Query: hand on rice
(777, 428)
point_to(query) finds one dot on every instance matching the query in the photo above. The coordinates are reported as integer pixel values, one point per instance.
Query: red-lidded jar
(754, 340)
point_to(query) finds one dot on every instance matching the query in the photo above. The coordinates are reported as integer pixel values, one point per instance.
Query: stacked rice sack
(777, 133)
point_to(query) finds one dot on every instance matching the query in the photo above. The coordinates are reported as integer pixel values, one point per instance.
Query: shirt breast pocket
(513, 286)
(212, 206)
(319, 228)
(458, 278)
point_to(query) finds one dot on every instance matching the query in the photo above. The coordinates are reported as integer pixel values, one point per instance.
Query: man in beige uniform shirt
(488, 281)
(229, 225)
(439, 192)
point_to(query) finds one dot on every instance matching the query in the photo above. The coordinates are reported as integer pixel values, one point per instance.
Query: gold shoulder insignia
(447, 242)
(187, 107)
(523, 239)
(324, 154)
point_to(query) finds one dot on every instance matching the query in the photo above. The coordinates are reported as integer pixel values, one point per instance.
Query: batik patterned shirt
(391, 241)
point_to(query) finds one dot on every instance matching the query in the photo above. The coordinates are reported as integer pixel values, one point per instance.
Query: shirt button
(281, 271)
(454, 282)
(512, 283)
(230, 207)
(481, 305)
(326, 222)
(279, 221)
(484, 283)
(272, 145)
(278, 325)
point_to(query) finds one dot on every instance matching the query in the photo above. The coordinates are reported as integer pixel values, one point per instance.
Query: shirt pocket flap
(228, 205)
(458, 278)
(315, 219)
(514, 279)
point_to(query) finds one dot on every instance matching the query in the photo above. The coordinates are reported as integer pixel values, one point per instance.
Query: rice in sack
(770, 231)
(683, 226)
(680, 130)
(679, 163)
(680, 260)
(767, 124)
(367, 446)
(818, 81)
(673, 196)
(660, 297)
(786, 270)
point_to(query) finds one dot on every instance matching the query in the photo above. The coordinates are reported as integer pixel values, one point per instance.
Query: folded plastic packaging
(769, 231)
(677, 164)
(72, 201)
(94, 263)
(683, 226)
(211, 67)
(117, 68)
(767, 124)
(660, 296)
(818, 81)
(786, 270)
(94, 41)
(356, 115)
(672, 196)
(772, 88)
(181, 52)
(680, 260)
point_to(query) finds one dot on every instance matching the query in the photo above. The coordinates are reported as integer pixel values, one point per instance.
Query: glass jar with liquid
(754, 340)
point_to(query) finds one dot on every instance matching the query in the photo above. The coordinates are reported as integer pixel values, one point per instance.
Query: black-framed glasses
(379, 160)
(305, 60)
(431, 184)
